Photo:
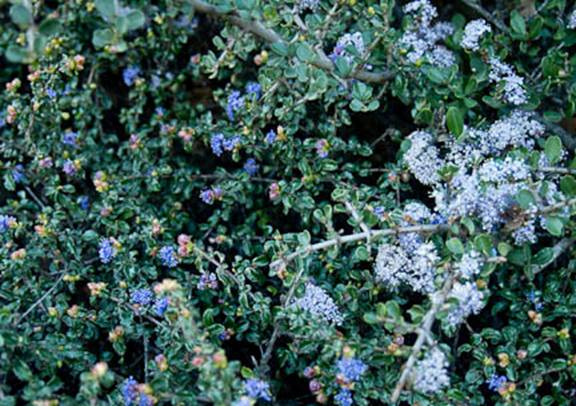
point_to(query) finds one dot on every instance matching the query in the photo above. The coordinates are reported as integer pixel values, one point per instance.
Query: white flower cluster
(513, 85)
(421, 40)
(431, 373)
(349, 40)
(572, 21)
(319, 304)
(423, 158)
(394, 267)
(473, 31)
(486, 179)
(308, 5)
(414, 214)
(470, 301)
(470, 264)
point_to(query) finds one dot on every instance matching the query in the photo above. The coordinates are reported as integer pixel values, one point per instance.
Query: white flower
(349, 40)
(441, 56)
(423, 10)
(391, 265)
(514, 92)
(572, 21)
(423, 158)
(319, 304)
(469, 302)
(470, 265)
(472, 34)
(308, 4)
(431, 373)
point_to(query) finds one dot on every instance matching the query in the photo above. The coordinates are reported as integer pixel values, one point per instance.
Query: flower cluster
(257, 389)
(209, 196)
(350, 371)
(431, 372)
(135, 394)
(513, 89)
(108, 250)
(317, 302)
(168, 256)
(346, 43)
(473, 32)
(220, 143)
(470, 301)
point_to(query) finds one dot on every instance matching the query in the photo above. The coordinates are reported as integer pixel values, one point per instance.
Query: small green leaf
(17, 54)
(49, 26)
(21, 15)
(568, 185)
(106, 7)
(135, 19)
(518, 24)
(525, 199)
(304, 53)
(455, 246)
(455, 121)
(553, 149)
(554, 225)
(101, 38)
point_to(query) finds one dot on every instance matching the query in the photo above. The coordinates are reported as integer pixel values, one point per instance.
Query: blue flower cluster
(6, 222)
(235, 103)
(70, 138)
(129, 391)
(107, 251)
(496, 381)
(130, 74)
(161, 305)
(18, 173)
(168, 257)
(219, 143)
(251, 167)
(351, 369)
(257, 389)
(209, 196)
(142, 297)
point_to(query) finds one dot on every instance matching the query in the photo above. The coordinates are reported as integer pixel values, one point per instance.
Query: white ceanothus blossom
(423, 158)
(349, 40)
(395, 267)
(414, 213)
(319, 304)
(486, 177)
(572, 21)
(469, 265)
(513, 91)
(420, 41)
(473, 31)
(470, 301)
(308, 5)
(431, 373)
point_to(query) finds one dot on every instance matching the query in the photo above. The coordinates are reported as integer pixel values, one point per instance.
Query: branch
(430, 228)
(44, 296)
(476, 6)
(557, 250)
(259, 30)
(438, 300)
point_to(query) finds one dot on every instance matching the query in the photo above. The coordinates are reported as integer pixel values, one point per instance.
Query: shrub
(287, 202)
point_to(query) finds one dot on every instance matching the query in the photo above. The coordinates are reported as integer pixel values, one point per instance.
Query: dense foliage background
(287, 202)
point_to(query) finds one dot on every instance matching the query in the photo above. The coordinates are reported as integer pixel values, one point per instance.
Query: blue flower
(51, 93)
(107, 251)
(129, 391)
(257, 389)
(344, 398)
(161, 305)
(254, 88)
(18, 173)
(235, 103)
(168, 256)
(70, 138)
(379, 211)
(145, 400)
(270, 137)
(69, 167)
(6, 222)
(216, 144)
(231, 143)
(495, 382)
(207, 281)
(130, 74)
(142, 297)
(160, 111)
(251, 167)
(84, 202)
(351, 368)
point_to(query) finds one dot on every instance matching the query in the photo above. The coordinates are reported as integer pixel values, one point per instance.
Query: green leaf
(553, 149)
(135, 19)
(568, 185)
(101, 38)
(455, 246)
(455, 121)
(49, 26)
(554, 225)
(17, 54)
(518, 24)
(21, 15)
(525, 199)
(370, 318)
(304, 53)
(106, 7)
(280, 48)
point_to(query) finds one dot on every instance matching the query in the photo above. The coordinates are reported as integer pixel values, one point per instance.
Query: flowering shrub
(235, 202)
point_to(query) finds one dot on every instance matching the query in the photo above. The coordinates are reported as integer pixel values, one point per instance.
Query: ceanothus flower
(235, 103)
(346, 41)
(168, 256)
(18, 173)
(322, 148)
(317, 302)
(344, 398)
(6, 222)
(254, 89)
(209, 196)
(441, 56)
(572, 21)
(70, 138)
(107, 250)
(251, 167)
(391, 265)
(129, 391)
(308, 4)
(350, 369)
(130, 74)
(142, 297)
(230, 143)
(470, 265)
(257, 389)
(513, 89)
(270, 137)
(207, 280)
(161, 305)
(216, 143)
(496, 382)
(431, 373)
(470, 301)
(69, 167)
(423, 158)
(473, 31)
(423, 10)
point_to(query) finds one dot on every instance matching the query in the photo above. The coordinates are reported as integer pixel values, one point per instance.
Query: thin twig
(44, 296)
(476, 6)
(557, 250)
(258, 29)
